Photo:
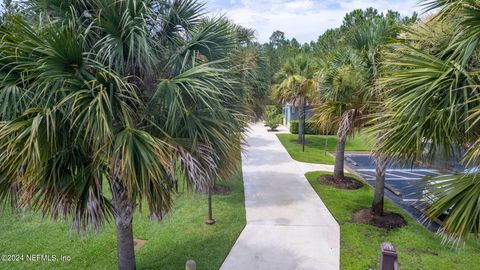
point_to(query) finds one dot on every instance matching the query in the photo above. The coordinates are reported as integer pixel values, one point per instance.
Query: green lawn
(317, 144)
(169, 245)
(417, 247)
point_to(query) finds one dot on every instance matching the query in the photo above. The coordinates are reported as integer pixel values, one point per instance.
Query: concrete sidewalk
(288, 226)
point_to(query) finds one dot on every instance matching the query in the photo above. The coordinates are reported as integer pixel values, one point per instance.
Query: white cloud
(302, 19)
(304, 5)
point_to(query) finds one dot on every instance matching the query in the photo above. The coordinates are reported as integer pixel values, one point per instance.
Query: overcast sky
(303, 19)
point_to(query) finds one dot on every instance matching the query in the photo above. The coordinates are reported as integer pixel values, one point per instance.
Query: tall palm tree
(342, 101)
(367, 40)
(93, 95)
(360, 39)
(433, 109)
(297, 86)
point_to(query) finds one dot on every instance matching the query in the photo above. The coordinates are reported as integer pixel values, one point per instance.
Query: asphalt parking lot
(402, 185)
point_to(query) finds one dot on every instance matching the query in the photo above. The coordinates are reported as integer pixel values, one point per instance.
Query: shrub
(274, 121)
(309, 128)
(271, 111)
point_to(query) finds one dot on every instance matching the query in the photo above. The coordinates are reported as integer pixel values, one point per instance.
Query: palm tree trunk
(378, 198)
(338, 173)
(14, 189)
(123, 210)
(210, 220)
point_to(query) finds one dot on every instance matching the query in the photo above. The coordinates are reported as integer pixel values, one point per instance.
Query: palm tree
(91, 96)
(360, 38)
(251, 70)
(222, 121)
(297, 87)
(342, 102)
(367, 40)
(367, 32)
(433, 109)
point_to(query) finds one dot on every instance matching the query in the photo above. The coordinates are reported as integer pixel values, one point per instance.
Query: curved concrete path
(288, 226)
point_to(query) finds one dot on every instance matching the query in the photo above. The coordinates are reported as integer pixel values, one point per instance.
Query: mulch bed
(346, 183)
(389, 220)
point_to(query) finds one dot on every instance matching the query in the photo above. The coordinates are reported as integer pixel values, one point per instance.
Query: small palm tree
(297, 86)
(342, 101)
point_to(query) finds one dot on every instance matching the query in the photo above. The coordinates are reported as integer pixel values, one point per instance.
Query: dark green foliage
(310, 128)
(272, 110)
(278, 51)
(367, 23)
(273, 117)
(273, 121)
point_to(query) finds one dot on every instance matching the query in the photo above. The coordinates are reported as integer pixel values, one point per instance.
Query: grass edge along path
(317, 146)
(182, 236)
(417, 247)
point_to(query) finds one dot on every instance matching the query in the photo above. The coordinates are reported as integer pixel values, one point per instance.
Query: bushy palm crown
(118, 93)
(251, 70)
(343, 95)
(350, 57)
(296, 81)
(433, 106)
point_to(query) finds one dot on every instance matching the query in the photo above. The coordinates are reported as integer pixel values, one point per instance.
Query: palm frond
(143, 164)
(429, 105)
(457, 195)
(127, 45)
